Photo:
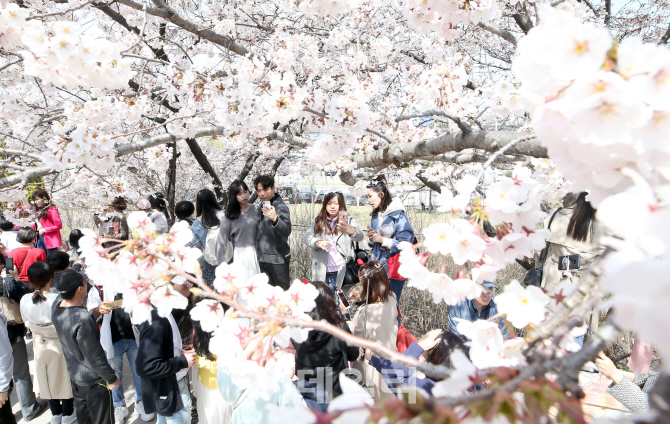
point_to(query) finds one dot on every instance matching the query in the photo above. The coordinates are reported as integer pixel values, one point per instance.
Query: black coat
(326, 352)
(158, 367)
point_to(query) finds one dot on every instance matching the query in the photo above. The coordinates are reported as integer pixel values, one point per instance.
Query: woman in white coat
(331, 237)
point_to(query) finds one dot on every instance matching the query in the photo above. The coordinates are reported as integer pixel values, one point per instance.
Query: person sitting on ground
(436, 347)
(629, 388)
(50, 366)
(481, 307)
(91, 377)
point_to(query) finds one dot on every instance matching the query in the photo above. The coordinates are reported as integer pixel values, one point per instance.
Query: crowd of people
(80, 333)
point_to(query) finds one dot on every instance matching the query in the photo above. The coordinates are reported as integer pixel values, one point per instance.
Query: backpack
(217, 251)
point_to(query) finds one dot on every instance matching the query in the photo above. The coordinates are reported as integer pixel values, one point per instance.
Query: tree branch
(172, 16)
(462, 125)
(505, 35)
(208, 168)
(666, 37)
(489, 141)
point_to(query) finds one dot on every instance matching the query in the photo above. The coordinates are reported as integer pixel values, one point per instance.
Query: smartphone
(9, 264)
(344, 217)
(569, 262)
(343, 298)
(116, 304)
(266, 204)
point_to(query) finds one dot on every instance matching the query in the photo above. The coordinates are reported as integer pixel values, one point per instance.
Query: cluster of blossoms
(150, 264)
(60, 54)
(443, 17)
(602, 110)
(84, 138)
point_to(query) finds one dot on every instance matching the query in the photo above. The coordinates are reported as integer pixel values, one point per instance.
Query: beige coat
(382, 327)
(560, 244)
(50, 367)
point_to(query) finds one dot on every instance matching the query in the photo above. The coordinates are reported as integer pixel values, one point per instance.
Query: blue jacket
(468, 311)
(402, 231)
(397, 375)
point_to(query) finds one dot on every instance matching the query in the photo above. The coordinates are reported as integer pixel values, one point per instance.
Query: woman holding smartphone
(388, 227)
(240, 225)
(331, 238)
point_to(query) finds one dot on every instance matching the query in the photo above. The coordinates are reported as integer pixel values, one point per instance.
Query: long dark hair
(157, 201)
(440, 353)
(42, 194)
(207, 208)
(75, 235)
(375, 274)
(233, 210)
(378, 185)
(583, 219)
(321, 220)
(201, 340)
(326, 307)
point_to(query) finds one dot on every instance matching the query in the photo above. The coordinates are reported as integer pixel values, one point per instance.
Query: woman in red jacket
(48, 222)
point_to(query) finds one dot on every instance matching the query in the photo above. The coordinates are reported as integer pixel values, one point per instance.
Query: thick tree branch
(471, 155)
(505, 35)
(489, 141)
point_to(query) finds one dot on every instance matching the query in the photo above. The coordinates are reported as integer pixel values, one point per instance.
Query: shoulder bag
(10, 307)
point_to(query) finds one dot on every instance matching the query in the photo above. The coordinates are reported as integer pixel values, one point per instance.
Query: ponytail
(38, 297)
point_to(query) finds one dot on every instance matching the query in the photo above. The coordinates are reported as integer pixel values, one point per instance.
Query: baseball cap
(489, 285)
(68, 281)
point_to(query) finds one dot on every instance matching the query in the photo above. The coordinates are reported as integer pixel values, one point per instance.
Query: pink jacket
(52, 226)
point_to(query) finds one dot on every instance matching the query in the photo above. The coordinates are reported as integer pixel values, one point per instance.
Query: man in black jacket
(274, 229)
(162, 363)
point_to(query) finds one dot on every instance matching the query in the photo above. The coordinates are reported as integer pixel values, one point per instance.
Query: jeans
(24, 384)
(331, 280)
(183, 416)
(129, 347)
(397, 286)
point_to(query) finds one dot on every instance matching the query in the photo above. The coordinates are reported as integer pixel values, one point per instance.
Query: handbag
(405, 338)
(360, 257)
(393, 263)
(534, 276)
(10, 307)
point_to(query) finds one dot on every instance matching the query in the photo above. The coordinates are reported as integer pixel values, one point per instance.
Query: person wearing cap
(91, 377)
(481, 307)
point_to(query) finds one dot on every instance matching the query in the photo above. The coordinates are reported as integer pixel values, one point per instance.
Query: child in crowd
(91, 377)
(50, 365)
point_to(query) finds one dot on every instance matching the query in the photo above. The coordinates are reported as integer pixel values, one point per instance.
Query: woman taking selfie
(48, 223)
(388, 227)
(331, 238)
(240, 225)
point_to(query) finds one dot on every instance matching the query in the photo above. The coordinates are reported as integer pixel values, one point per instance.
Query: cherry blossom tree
(118, 98)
